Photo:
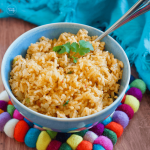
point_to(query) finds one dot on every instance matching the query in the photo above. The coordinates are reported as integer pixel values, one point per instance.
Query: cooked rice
(40, 80)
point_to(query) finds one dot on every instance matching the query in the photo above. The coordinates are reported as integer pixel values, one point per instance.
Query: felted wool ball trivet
(3, 105)
(4, 118)
(133, 102)
(20, 131)
(140, 84)
(52, 134)
(43, 141)
(10, 127)
(135, 92)
(123, 99)
(98, 129)
(65, 146)
(62, 137)
(111, 135)
(74, 140)
(132, 78)
(105, 142)
(17, 115)
(81, 133)
(31, 137)
(107, 121)
(127, 109)
(115, 127)
(1, 111)
(4, 96)
(28, 122)
(54, 145)
(10, 109)
(98, 147)
(121, 118)
(90, 136)
(85, 145)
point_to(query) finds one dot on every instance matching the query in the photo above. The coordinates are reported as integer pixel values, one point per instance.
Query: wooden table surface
(136, 136)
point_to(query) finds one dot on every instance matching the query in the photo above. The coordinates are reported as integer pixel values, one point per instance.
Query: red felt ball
(10, 103)
(127, 109)
(85, 145)
(117, 128)
(20, 131)
(123, 99)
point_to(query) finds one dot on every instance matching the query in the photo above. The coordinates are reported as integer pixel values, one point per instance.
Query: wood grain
(135, 136)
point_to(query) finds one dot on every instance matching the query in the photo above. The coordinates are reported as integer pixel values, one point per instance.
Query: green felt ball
(111, 135)
(10, 109)
(65, 146)
(140, 84)
(81, 133)
(52, 134)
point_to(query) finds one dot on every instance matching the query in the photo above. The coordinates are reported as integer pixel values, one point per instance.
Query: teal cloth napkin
(134, 36)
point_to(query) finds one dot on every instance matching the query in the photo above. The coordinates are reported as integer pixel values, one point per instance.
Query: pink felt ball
(98, 129)
(17, 115)
(135, 92)
(54, 145)
(127, 109)
(105, 142)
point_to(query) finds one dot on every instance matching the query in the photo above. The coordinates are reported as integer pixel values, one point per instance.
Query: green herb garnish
(70, 72)
(15, 59)
(82, 48)
(27, 100)
(66, 103)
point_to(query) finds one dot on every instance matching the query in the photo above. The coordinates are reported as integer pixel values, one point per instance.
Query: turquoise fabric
(134, 36)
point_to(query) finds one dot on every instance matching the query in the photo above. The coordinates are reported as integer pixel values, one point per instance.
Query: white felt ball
(4, 96)
(10, 127)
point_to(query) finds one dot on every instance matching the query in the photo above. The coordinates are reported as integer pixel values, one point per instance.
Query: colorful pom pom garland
(102, 136)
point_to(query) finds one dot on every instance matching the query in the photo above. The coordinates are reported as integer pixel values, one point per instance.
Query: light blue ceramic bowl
(19, 47)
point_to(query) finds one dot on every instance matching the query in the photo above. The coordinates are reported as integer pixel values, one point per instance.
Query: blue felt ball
(98, 147)
(132, 78)
(28, 122)
(127, 88)
(107, 121)
(121, 118)
(31, 137)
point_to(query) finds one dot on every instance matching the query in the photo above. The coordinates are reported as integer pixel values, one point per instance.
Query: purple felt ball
(17, 115)
(105, 142)
(4, 118)
(3, 105)
(127, 109)
(98, 129)
(121, 118)
(135, 92)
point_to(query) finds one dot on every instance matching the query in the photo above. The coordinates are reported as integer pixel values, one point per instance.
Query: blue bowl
(19, 47)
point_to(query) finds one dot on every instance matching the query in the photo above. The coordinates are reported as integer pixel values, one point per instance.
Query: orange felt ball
(85, 145)
(117, 128)
(123, 99)
(10, 103)
(20, 131)
(1, 111)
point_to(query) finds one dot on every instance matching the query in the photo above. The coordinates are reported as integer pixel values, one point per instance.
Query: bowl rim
(50, 117)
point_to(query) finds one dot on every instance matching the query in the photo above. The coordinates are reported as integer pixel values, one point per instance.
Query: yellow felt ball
(43, 141)
(133, 102)
(74, 140)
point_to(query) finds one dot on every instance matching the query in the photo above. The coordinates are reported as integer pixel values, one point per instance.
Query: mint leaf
(74, 46)
(86, 44)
